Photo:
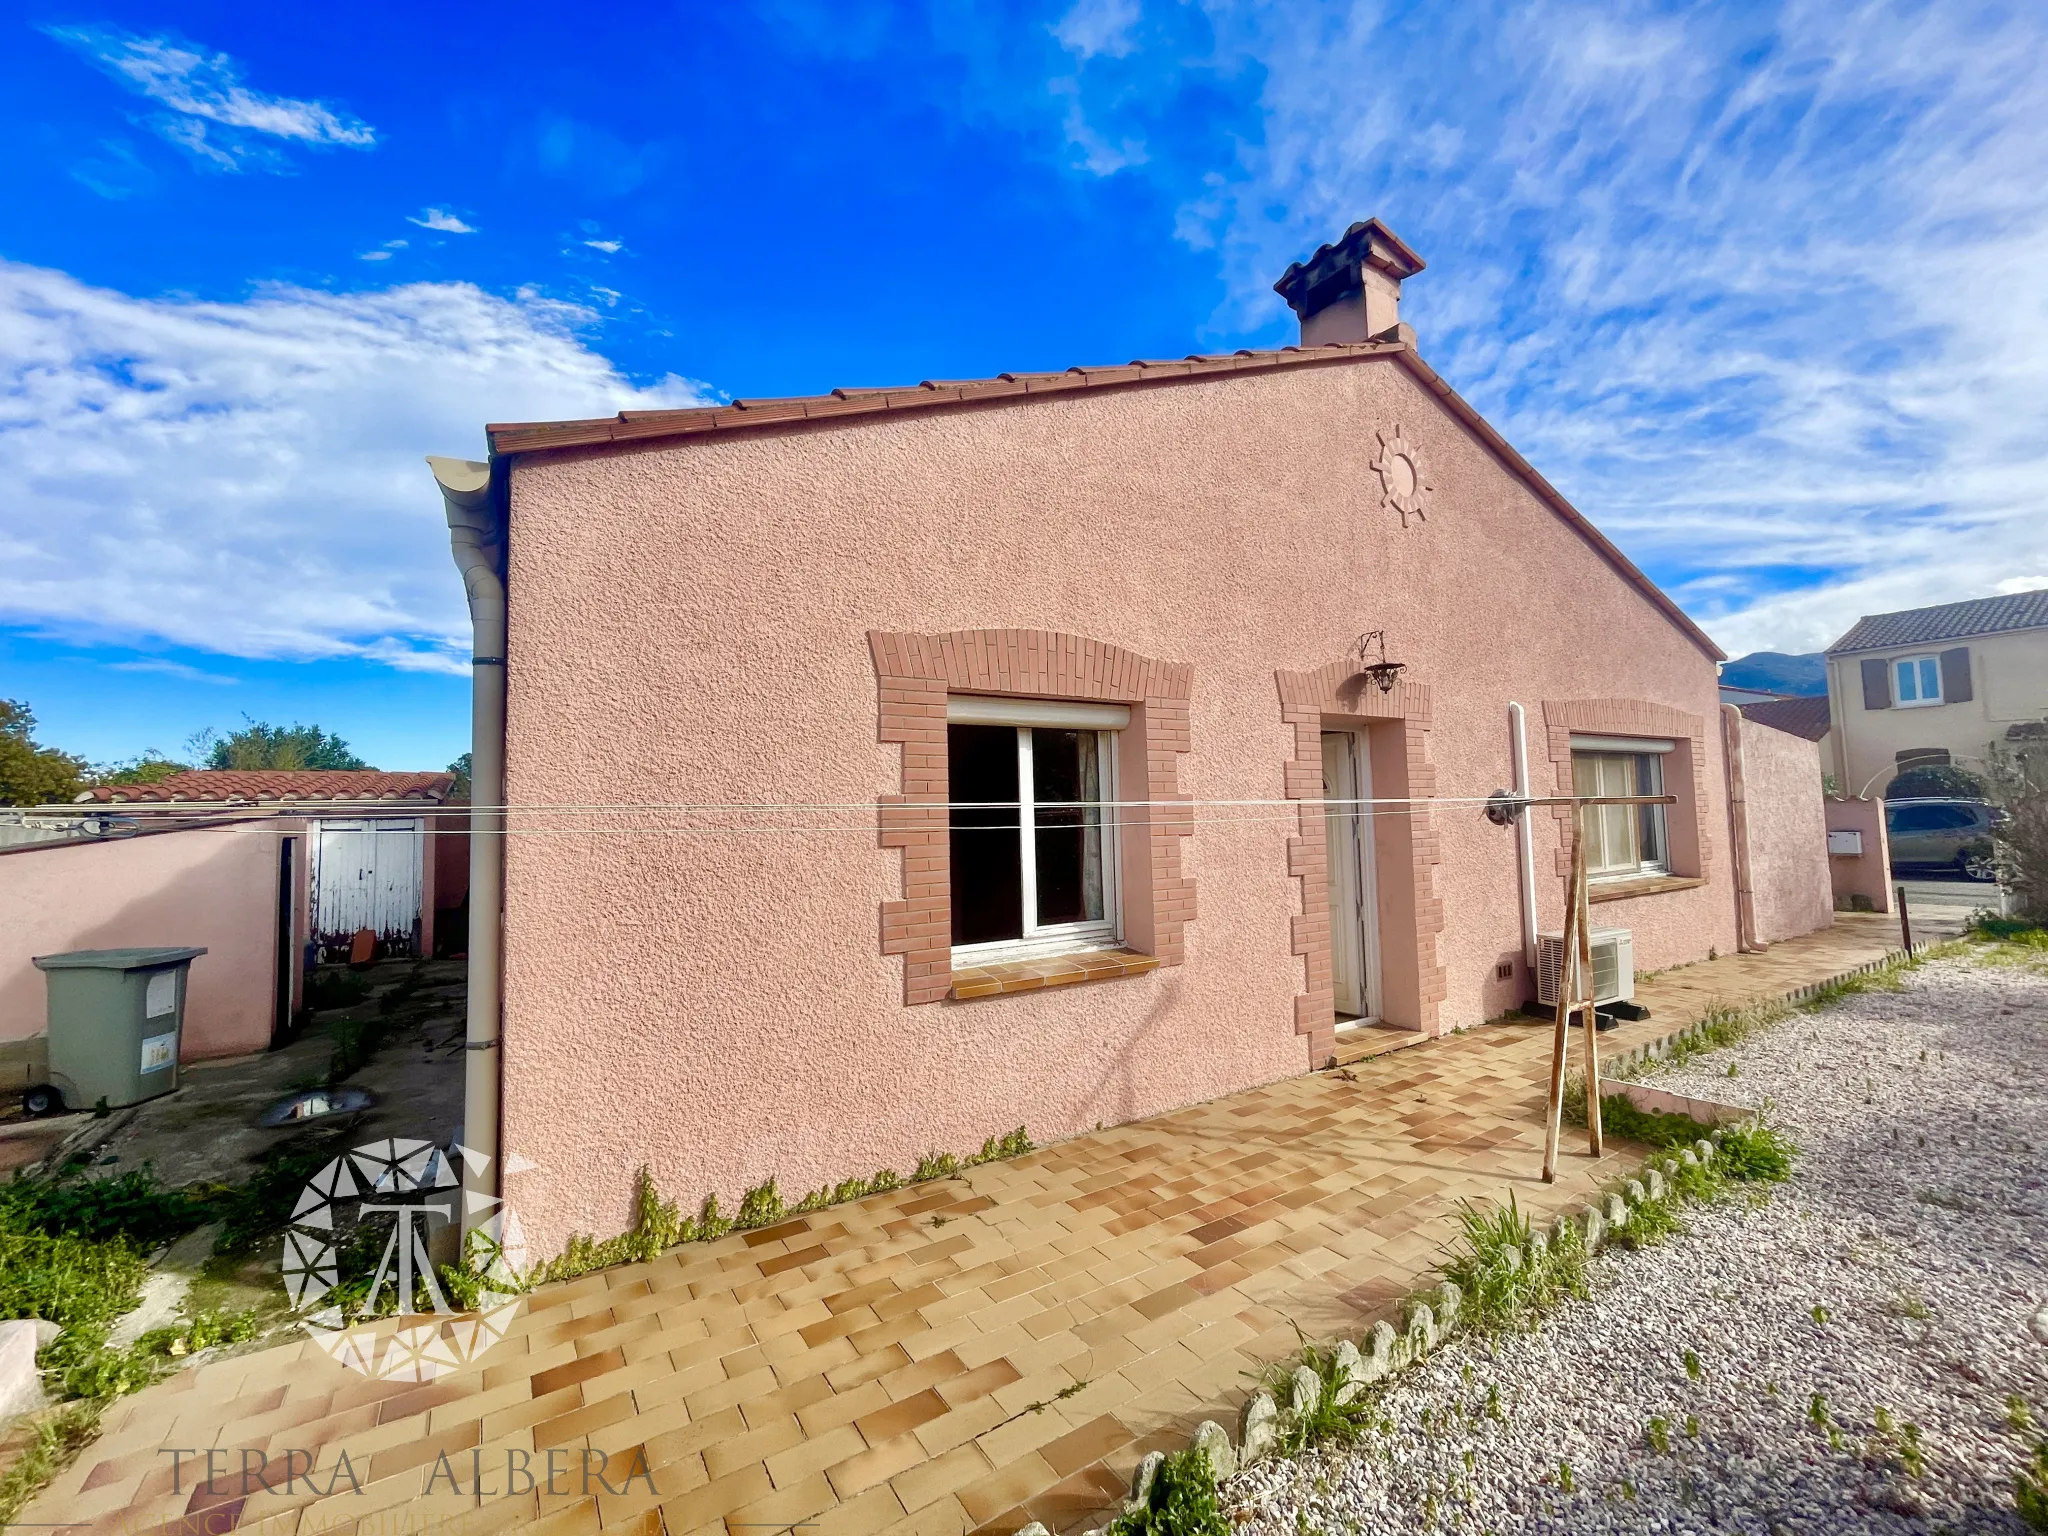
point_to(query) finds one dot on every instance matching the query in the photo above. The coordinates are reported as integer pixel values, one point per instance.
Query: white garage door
(366, 874)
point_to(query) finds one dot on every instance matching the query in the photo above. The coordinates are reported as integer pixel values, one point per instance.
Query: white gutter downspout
(1525, 848)
(476, 539)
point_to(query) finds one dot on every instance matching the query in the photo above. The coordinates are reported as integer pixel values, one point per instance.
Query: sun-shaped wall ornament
(1402, 484)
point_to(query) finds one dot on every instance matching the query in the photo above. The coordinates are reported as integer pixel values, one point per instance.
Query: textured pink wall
(689, 623)
(211, 887)
(1788, 833)
(1867, 873)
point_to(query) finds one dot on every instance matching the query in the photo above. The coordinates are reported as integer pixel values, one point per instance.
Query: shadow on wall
(212, 887)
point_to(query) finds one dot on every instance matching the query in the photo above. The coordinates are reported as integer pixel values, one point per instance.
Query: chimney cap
(1334, 271)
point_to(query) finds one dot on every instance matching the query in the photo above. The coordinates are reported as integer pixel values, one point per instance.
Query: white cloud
(246, 478)
(209, 112)
(442, 220)
(1099, 27)
(1758, 287)
(609, 247)
(177, 669)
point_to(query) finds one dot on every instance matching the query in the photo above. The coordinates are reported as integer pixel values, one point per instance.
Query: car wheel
(39, 1101)
(1977, 866)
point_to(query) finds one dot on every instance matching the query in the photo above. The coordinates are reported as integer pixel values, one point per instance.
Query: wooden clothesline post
(1574, 995)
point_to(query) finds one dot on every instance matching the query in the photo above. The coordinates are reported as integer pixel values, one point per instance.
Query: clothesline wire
(345, 808)
(902, 817)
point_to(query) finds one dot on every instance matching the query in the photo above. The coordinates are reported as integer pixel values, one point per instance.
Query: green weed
(54, 1440)
(1507, 1283)
(935, 1165)
(1181, 1501)
(1755, 1153)
(134, 1205)
(1329, 1422)
(2030, 1489)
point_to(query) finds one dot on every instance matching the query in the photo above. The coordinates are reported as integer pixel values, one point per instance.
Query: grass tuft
(1508, 1283)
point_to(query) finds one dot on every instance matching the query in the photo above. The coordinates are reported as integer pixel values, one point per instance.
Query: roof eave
(511, 441)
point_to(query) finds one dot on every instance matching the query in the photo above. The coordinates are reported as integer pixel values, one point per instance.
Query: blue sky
(1763, 288)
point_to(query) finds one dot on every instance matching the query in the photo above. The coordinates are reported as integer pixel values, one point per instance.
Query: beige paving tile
(865, 1371)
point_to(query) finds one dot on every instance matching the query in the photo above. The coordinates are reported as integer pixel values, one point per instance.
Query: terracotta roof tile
(217, 786)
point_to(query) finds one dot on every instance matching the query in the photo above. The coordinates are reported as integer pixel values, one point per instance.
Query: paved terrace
(958, 1356)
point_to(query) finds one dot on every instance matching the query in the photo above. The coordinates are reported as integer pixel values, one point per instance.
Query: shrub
(2019, 778)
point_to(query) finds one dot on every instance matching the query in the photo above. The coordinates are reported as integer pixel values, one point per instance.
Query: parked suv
(1942, 834)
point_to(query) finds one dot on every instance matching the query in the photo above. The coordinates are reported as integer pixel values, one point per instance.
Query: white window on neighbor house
(1916, 680)
(1622, 841)
(1032, 827)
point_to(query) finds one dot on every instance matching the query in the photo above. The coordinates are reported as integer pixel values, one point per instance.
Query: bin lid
(114, 959)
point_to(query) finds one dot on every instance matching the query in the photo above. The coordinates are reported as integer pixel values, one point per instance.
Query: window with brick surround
(1623, 842)
(1032, 828)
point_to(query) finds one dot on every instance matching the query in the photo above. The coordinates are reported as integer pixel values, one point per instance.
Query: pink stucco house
(964, 751)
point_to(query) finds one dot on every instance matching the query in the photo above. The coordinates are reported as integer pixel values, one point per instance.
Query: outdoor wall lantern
(1384, 673)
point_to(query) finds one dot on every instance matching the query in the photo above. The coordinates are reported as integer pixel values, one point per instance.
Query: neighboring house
(916, 709)
(1808, 717)
(1936, 685)
(377, 854)
(249, 865)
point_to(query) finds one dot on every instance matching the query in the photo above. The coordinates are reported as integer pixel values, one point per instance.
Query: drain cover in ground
(317, 1104)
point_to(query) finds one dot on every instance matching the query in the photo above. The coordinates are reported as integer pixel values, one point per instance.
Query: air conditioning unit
(1614, 966)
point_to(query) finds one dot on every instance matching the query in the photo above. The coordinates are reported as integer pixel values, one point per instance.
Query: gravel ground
(1902, 1270)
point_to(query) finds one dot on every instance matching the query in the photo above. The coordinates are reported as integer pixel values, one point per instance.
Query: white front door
(1354, 930)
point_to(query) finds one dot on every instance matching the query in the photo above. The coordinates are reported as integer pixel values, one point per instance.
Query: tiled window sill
(1053, 971)
(1655, 885)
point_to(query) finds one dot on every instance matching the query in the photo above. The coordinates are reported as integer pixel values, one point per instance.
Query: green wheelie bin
(117, 1017)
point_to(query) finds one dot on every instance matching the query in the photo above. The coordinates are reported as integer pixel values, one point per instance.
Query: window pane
(1930, 679)
(1909, 682)
(988, 878)
(1066, 767)
(1650, 818)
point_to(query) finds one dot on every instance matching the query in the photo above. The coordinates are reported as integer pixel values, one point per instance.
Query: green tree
(460, 768)
(150, 768)
(31, 773)
(259, 745)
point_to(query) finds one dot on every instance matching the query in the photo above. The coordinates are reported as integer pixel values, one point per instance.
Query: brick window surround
(1413, 980)
(1692, 857)
(915, 673)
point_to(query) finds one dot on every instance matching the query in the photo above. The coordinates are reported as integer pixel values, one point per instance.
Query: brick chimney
(1350, 291)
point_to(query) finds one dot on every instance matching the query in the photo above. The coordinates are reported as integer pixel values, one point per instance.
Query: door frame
(1354, 877)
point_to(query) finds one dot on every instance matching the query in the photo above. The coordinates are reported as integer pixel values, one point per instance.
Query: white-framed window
(1032, 827)
(1622, 841)
(1916, 681)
